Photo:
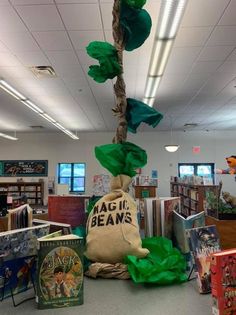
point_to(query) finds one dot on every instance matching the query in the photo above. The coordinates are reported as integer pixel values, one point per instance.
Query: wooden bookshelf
(192, 197)
(34, 191)
(145, 191)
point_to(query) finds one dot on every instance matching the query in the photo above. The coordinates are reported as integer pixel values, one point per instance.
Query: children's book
(181, 224)
(18, 250)
(168, 205)
(54, 226)
(203, 242)
(20, 217)
(149, 216)
(223, 282)
(60, 271)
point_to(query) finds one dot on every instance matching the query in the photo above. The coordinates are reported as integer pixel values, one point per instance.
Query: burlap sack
(112, 227)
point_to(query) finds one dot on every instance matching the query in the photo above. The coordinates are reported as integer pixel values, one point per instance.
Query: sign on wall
(23, 168)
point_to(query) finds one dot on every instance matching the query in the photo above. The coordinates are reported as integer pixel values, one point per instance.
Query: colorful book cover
(60, 272)
(223, 282)
(18, 250)
(181, 224)
(203, 242)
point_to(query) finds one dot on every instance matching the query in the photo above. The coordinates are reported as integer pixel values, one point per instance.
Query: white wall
(55, 148)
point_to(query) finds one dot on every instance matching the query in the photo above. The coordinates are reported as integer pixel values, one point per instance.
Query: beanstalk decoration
(131, 26)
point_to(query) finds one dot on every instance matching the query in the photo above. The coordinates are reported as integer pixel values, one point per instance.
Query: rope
(119, 87)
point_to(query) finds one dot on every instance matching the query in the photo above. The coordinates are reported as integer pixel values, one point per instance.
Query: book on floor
(60, 271)
(54, 226)
(18, 250)
(181, 224)
(223, 282)
(203, 242)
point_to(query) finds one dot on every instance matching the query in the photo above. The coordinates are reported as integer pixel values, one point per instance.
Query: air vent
(36, 127)
(190, 125)
(43, 71)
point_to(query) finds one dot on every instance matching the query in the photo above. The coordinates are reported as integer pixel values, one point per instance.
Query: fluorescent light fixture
(171, 147)
(160, 55)
(7, 136)
(171, 13)
(151, 86)
(9, 89)
(32, 106)
(48, 118)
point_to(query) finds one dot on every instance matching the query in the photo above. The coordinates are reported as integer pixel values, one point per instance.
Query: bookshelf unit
(34, 191)
(192, 197)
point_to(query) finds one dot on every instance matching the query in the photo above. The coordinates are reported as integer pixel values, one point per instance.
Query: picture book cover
(181, 224)
(18, 250)
(168, 205)
(223, 282)
(54, 226)
(203, 242)
(60, 272)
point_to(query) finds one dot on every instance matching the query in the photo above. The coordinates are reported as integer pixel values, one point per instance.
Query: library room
(118, 159)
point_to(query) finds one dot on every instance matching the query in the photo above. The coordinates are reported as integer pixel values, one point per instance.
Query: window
(72, 174)
(199, 169)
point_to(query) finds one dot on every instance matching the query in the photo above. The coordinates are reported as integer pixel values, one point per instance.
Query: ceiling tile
(10, 21)
(232, 56)
(203, 13)
(22, 41)
(3, 48)
(81, 16)
(54, 40)
(106, 9)
(32, 58)
(81, 39)
(62, 57)
(8, 59)
(31, 2)
(76, 1)
(228, 66)
(228, 17)
(68, 70)
(215, 53)
(192, 36)
(223, 36)
(41, 17)
(206, 66)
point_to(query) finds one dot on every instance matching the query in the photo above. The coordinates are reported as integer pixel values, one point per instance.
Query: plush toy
(231, 161)
(230, 199)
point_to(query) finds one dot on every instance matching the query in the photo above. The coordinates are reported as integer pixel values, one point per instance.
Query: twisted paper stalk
(119, 86)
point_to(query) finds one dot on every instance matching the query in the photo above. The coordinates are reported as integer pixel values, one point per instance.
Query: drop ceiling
(198, 85)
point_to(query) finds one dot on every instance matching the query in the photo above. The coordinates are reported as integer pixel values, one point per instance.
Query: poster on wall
(22, 168)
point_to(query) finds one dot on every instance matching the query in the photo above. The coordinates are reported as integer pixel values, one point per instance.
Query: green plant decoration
(109, 66)
(138, 4)
(136, 25)
(138, 112)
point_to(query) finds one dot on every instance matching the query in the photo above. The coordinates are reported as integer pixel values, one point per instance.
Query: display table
(68, 209)
(226, 230)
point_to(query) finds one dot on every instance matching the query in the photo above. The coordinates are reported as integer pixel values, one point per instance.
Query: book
(60, 271)
(149, 204)
(54, 226)
(223, 282)
(168, 205)
(181, 224)
(203, 242)
(18, 250)
(20, 217)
